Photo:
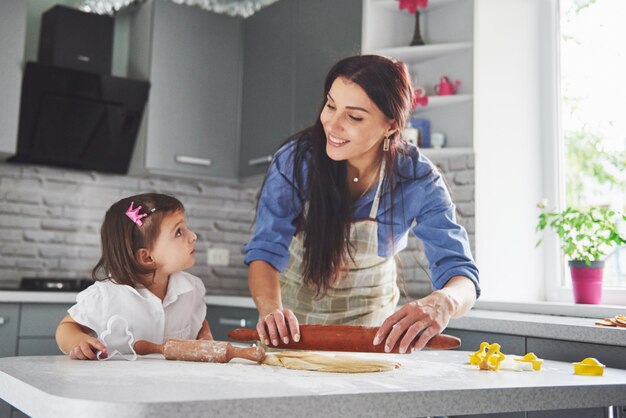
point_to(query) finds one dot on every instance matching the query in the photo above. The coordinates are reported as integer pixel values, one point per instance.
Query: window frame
(558, 288)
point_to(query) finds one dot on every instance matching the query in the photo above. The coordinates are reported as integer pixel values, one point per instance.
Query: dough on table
(298, 360)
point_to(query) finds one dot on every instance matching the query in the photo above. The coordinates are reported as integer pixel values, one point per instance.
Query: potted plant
(586, 237)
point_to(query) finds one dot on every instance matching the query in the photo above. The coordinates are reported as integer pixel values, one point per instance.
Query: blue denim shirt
(421, 204)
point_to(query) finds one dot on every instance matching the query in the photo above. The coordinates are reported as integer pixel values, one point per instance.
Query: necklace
(356, 178)
(371, 183)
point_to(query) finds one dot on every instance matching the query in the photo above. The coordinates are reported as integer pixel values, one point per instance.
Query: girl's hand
(205, 332)
(88, 349)
(417, 322)
(279, 323)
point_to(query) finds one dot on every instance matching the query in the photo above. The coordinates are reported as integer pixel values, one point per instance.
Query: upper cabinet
(193, 60)
(289, 47)
(447, 30)
(12, 35)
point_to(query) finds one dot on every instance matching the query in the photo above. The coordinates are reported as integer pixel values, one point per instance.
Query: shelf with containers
(447, 29)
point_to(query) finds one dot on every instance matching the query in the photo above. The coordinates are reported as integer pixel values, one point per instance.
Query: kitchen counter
(487, 317)
(428, 383)
(540, 326)
(16, 296)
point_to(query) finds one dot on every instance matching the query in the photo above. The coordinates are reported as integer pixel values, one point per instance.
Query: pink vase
(587, 281)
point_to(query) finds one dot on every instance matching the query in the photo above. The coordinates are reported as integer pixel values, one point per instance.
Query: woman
(337, 204)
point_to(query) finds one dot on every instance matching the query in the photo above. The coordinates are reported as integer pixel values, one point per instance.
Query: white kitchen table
(428, 383)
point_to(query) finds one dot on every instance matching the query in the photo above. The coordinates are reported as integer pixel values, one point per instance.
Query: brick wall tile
(12, 208)
(464, 177)
(458, 163)
(78, 265)
(23, 196)
(12, 235)
(43, 236)
(19, 222)
(61, 225)
(18, 249)
(58, 251)
(82, 239)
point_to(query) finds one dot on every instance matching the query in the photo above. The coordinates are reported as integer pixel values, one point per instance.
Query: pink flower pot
(587, 281)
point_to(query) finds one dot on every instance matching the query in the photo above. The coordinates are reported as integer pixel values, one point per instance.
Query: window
(593, 116)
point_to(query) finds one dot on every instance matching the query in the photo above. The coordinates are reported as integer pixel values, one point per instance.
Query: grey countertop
(540, 326)
(15, 296)
(427, 383)
(485, 317)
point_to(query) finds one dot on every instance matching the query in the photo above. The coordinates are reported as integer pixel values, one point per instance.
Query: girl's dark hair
(326, 223)
(122, 238)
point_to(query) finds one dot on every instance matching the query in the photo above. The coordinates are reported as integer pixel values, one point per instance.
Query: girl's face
(353, 124)
(173, 249)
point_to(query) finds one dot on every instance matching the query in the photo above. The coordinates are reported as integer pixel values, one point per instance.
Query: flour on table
(334, 364)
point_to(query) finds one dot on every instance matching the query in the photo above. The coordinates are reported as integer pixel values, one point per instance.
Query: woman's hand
(88, 350)
(417, 322)
(279, 323)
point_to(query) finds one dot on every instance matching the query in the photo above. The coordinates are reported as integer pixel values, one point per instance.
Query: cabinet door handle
(186, 159)
(261, 160)
(233, 322)
(2, 320)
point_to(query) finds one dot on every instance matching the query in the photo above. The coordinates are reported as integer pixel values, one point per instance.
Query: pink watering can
(445, 88)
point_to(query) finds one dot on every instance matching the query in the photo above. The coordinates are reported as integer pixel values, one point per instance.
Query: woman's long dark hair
(326, 223)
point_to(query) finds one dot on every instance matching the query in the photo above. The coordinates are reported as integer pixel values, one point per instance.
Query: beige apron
(367, 295)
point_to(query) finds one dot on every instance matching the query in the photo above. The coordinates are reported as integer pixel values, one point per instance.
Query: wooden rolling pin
(199, 350)
(341, 338)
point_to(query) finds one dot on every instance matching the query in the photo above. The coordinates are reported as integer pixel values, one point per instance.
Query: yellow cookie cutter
(532, 359)
(589, 367)
(488, 356)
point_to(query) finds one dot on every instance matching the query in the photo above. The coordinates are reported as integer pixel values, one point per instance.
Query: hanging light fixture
(242, 8)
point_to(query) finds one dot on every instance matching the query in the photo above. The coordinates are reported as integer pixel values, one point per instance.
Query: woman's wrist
(447, 300)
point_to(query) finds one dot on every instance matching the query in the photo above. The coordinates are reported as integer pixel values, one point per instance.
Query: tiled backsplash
(50, 220)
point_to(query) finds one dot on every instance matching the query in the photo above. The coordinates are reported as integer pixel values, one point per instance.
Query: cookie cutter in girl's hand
(120, 343)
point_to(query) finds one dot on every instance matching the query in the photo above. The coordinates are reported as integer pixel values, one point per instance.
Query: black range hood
(78, 119)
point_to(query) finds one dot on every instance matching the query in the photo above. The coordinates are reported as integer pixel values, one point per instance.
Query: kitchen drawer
(570, 351)
(41, 319)
(470, 340)
(9, 319)
(38, 346)
(224, 318)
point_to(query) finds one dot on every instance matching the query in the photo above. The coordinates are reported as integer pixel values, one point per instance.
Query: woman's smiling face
(353, 124)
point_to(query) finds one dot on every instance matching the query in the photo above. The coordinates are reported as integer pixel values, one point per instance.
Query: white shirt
(180, 315)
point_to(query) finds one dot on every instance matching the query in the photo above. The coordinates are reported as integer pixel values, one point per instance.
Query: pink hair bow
(412, 5)
(134, 214)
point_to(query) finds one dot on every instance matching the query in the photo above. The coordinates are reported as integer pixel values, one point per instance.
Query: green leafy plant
(585, 235)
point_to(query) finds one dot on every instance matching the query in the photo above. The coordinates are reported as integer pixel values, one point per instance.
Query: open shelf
(446, 152)
(438, 101)
(414, 54)
(394, 4)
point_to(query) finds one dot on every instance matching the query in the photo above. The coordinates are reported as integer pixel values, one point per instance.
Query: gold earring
(386, 144)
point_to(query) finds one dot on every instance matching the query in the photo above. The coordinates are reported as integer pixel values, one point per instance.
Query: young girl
(145, 245)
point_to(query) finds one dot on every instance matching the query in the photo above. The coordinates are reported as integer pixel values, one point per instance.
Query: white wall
(512, 89)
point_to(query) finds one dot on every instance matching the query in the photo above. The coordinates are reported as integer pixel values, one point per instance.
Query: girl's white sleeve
(89, 309)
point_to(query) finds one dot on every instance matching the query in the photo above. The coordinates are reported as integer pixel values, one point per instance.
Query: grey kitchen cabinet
(193, 60)
(288, 49)
(12, 38)
(9, 321)
(573, 351)
(470, 340)
(268, 85)
(38, 323)
(224, 318)
(327, 31)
